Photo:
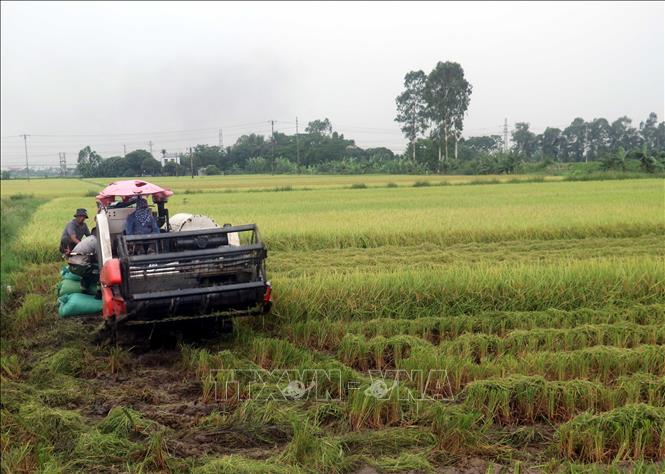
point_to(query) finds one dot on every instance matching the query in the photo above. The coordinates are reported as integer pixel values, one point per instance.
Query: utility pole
(191, 161)
(124, 151)
(221, 139)
(150, 145)
(272, 128)
(27, 165)
(63, 163)
(505, 135)
(297, 148)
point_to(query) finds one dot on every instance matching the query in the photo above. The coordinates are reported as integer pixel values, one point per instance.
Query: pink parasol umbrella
(132, 187)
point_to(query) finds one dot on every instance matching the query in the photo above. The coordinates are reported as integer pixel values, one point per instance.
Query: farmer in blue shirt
(141, 222)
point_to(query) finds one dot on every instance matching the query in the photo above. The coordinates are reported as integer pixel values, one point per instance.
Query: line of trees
(135, 163)
(319, 150)
(589, 141)
(612, 145)
(322, 150)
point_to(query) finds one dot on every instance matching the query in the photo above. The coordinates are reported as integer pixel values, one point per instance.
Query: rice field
(232, 183)
(503, 327)
(351, 219)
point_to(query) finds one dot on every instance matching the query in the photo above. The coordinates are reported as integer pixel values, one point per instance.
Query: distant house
(166, 157)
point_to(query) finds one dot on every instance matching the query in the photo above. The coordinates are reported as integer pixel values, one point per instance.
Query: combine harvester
(192, 269)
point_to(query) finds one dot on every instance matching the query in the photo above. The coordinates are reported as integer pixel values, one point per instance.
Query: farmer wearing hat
(74, 231)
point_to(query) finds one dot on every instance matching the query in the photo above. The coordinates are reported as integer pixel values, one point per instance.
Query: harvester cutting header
(188, 267)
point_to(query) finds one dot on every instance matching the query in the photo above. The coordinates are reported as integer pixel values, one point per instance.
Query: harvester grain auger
(191, 269)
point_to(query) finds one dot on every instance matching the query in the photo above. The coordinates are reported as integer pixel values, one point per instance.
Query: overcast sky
(109, 74)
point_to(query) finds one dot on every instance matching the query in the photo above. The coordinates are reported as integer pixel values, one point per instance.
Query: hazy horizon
(114, 74)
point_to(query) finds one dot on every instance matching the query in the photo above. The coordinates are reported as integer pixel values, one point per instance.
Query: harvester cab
(191, 269)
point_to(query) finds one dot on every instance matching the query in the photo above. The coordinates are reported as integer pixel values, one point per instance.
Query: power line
(134, 141)
(32, 165)
(364, 128)
(53, 135)
(45, 144)
(111, 142)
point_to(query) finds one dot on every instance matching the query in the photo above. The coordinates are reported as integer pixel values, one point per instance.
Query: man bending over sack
(82, 261)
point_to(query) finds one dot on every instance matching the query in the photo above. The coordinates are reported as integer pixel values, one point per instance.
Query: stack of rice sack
(73, 298)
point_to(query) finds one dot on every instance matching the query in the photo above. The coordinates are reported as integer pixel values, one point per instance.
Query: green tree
(576, 135)
(212, 170)
(447, 94)
(599, 137)
(550, 142)
(506, 163)
(428, 148)
(660, 137)
(412, 107)
(649, 131)
(648, 163)
(485, 144)
(524, 141)
(614, 161)
(284, 166)
(135, 160)
(170, 168)
(379, 154)
(113, 166)
(205, 155)
(246, 147)
(150, 167)
(258, 164)
(88, 162)
(319, 127)
(623, 135)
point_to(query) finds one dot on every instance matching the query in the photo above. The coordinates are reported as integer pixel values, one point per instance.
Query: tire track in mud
(154, 384)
